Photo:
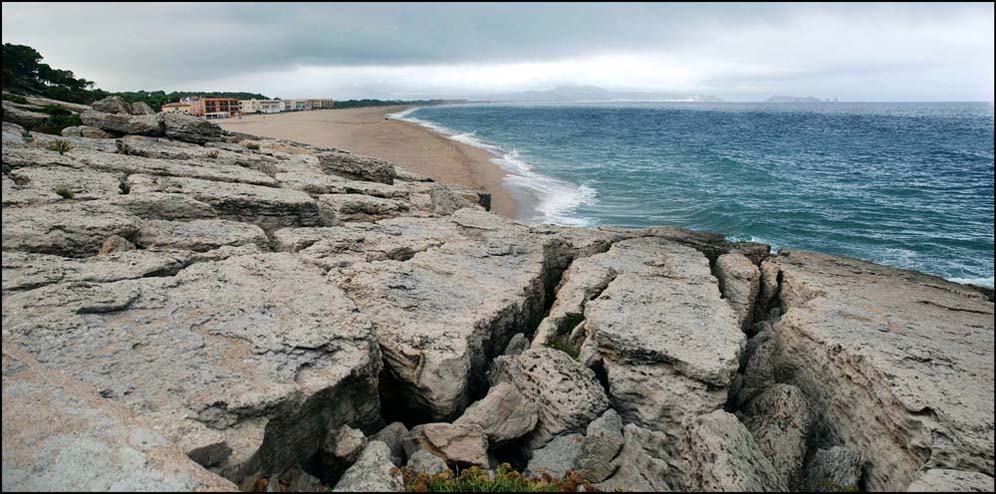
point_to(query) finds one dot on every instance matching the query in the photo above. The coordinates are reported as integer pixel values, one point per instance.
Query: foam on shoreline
(541, 199)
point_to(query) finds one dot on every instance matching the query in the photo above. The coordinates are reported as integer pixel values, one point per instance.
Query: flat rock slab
(444, 313)
(669, 343)
(69, 228)
(899, 363)
(340, 208)
(268, 207)
(40, 184)
(60, 435)
(26, 271)
(199, 235)
(230, 360)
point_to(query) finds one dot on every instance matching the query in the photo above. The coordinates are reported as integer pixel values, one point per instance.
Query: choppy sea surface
(903, 184)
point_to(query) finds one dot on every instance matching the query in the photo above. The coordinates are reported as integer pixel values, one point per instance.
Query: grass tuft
(213, 155)
(65, 192)
(62, 147)
(563, 343)
(503, 479)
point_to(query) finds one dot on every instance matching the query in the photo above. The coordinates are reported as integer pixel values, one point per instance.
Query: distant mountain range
(799, 99)
(595, 93)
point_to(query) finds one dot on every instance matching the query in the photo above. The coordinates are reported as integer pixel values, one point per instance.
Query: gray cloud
(381, 49)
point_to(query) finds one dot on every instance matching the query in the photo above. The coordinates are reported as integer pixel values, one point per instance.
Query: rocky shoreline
(186, 308)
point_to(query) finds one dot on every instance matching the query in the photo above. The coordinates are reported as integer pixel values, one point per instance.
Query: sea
(903, 184)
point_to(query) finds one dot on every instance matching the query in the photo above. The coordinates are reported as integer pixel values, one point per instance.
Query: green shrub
(13, 98)
(58, 119)
(252, 145)
(213, 155)
(62, 147)
(504, 479)
(64, 192)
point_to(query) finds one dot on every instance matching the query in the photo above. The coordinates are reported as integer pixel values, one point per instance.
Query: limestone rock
(186, 128)
(669, 343)
(566, 392)
(946, 480)
(356, 167)
(504, 414)
(268, 207)
(393, 435)
(199, 235)
(42, 184)
(447, 201)
(833, 470)
(443, 313)
(59, 435)
(73, 229)
(780, 418)
(114, 244)
(602, 442)
(899, 364)
(341, 448)
(740, 283)
(141, 108)
(642, 463)
(459, 444)
(122, 124)
(339, 208)
(721, 455)
(84, 131)
(557, 457)
(164, 206)
(373, 472)
(26, 271)
(112, 104)
(21, 116)
(229, 356)
(427, 463)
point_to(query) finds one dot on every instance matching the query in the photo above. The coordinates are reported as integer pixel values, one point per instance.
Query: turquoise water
(903, 184)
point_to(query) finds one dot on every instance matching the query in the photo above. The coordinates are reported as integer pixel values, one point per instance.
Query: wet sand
(367, 131)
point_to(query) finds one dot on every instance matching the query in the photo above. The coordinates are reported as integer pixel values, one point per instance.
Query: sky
(737, 52)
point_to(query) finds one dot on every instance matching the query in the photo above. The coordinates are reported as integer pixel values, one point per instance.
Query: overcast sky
(857, 52)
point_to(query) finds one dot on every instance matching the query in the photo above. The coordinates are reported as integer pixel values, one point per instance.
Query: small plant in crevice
(61, 147)
(213, 155)
(503, 479)
(65, 192)
(26, 135)
(563, 343)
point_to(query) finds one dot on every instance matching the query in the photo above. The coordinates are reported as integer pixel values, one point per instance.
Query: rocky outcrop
(898, 364)
(229, 306)
(112, 104)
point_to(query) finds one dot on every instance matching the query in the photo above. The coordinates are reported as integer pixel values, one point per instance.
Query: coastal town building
(211, 108)
(180, 107)
(276, 105)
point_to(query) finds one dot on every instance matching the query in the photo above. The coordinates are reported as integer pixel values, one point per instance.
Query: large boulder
(643, 463)
(122, 124)
(355, 167)
(112, 104)
(504, 414)
(141, 108)
(835, 469)
(566, 393)
(458, 444)
(340, 208)
(186, 128)
(899, 364)
(602, 442)
(721, 455)
(229, 360)
(373, 472)
(556, 457)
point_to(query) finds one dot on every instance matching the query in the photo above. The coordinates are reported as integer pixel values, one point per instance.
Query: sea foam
(546, 200)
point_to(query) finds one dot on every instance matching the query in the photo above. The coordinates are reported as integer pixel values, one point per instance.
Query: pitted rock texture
(898, 364)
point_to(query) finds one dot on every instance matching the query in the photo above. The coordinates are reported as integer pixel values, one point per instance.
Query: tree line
(24, 73)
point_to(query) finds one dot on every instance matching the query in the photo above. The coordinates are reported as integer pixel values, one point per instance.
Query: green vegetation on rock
(503, 479)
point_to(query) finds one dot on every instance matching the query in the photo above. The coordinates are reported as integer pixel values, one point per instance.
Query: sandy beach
(367, 131)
